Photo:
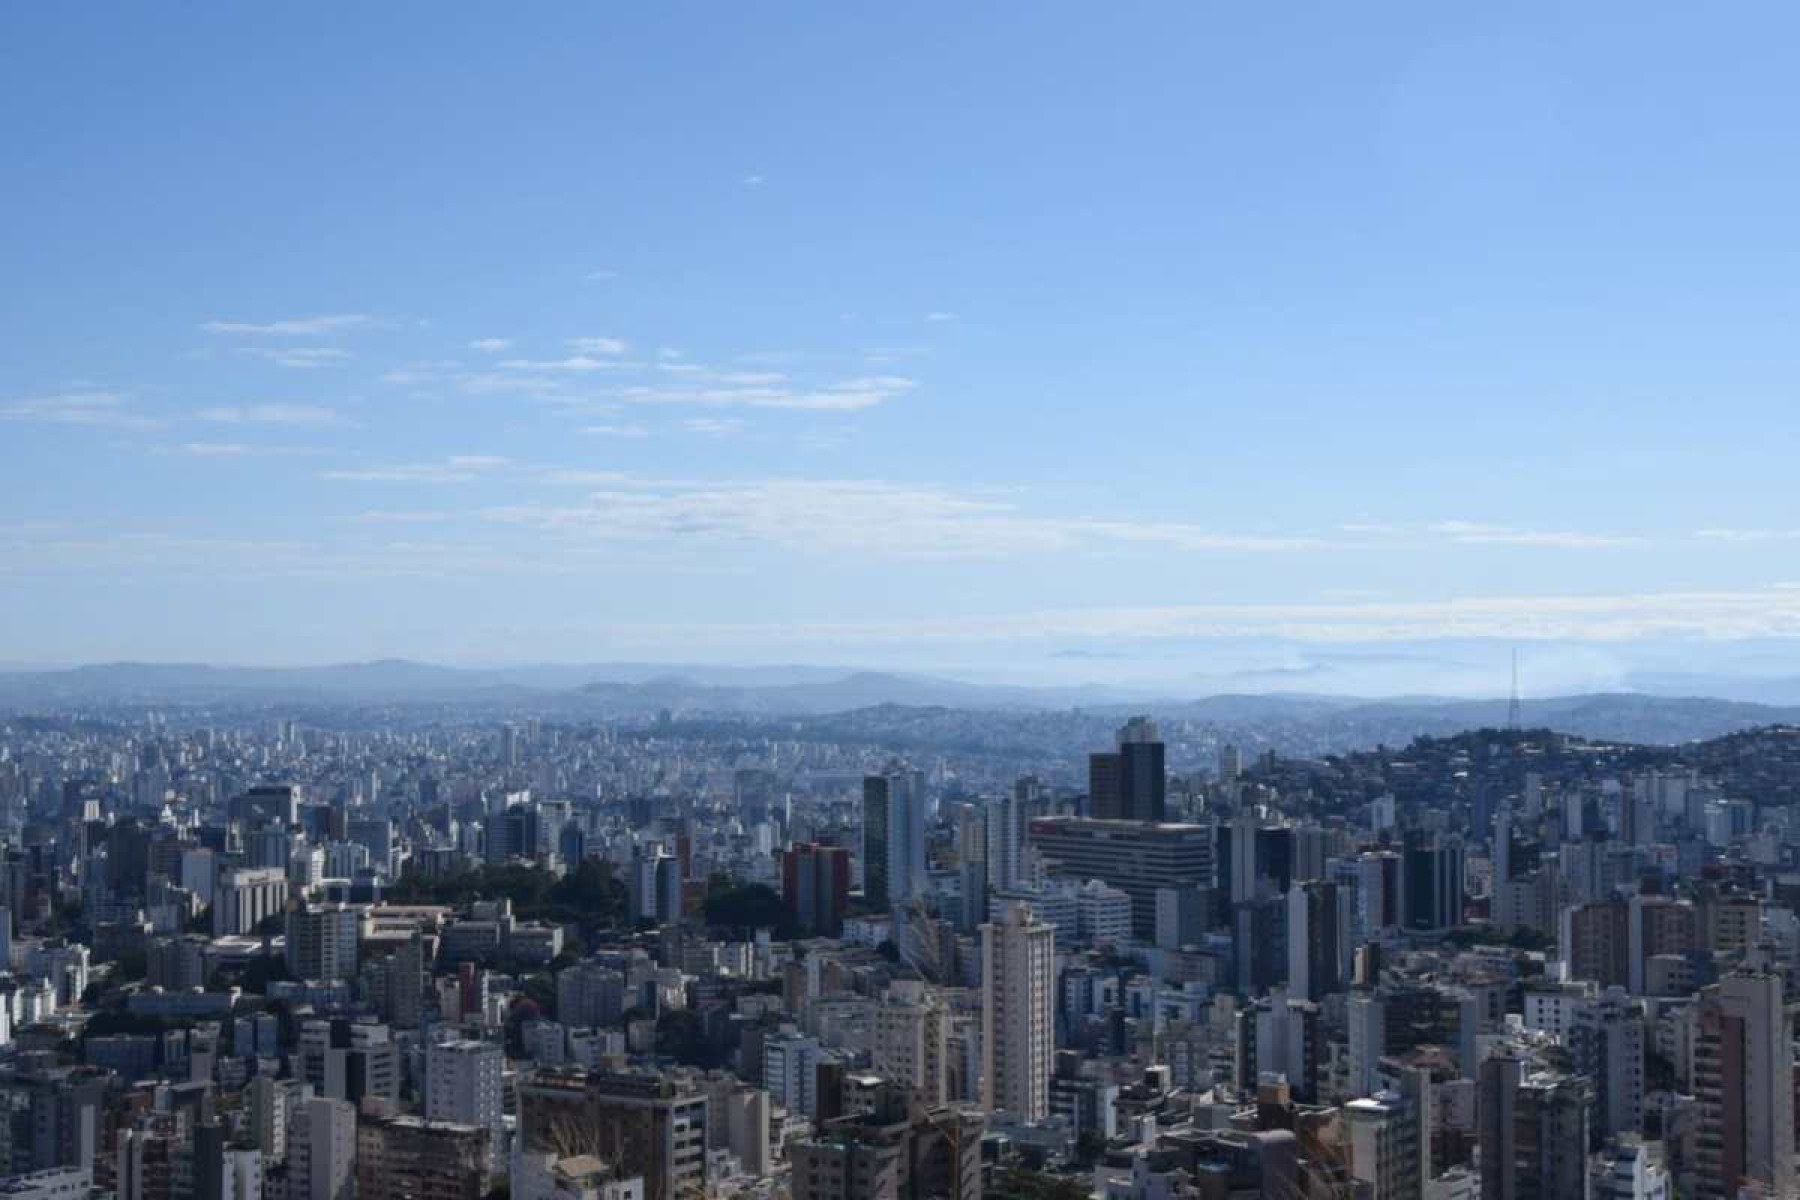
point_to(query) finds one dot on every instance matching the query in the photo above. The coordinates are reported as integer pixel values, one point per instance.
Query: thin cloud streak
(93, 408)
(458, 468)
(271, 414)
(1605, 618)
(292, 327)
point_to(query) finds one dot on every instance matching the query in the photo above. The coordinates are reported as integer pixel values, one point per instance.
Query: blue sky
(991, 338)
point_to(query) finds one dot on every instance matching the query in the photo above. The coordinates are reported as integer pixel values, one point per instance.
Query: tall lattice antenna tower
(1513, 717)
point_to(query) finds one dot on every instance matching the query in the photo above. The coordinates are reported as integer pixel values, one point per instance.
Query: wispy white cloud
(237, 450)
(579, 363)
(940, 316)
(388, 516)
(301, 358)
(598, 345)
(458, 468)
(271, 414)
(581, 477)
(616, 431)
(713, 426)
(95, 408)
(1748, 536)
(601, 276)
(1475, 533)
(753, 181)
(491, 345)
(292, 327)
(773, 392)
(1608, 618)
(868, 518)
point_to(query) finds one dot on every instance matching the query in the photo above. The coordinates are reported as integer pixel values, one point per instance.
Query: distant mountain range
(622, 690)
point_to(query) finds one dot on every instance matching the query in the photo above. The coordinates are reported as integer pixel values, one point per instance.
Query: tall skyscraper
(1318, 928)
(893, 836)
(1008, 825)
(1606, 1041)
(815, 883)
(1251, 858)
(653, 892)
(1744, 1081)
(1130, 783)
(1533, 1131)
(1018, 964)
(1432, 887)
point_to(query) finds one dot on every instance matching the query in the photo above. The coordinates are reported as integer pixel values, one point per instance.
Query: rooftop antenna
(1513, 720)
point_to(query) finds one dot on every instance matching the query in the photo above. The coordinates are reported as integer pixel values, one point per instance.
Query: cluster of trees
(589, 895)
(737, 910)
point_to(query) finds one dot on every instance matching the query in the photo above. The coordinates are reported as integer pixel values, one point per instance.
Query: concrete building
(1018, 1014)
(322, 942)
(1743, 1078)
(408, 1158)
(589, 996)
(1134, 856)
(463, 1087)
(910, 1040)
(1385, 1150)
(893, 836)
(322, 1150)
(815, 884)
(640, 1123)
(1103, 913)
(790, 1066)
(247, 896)
(1606, 1041)
(1533, 1131)
(1130, 783)
(896, 1151)
(57, 1183)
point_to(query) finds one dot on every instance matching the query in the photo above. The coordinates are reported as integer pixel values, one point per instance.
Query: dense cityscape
(818, 601)
(252, 956)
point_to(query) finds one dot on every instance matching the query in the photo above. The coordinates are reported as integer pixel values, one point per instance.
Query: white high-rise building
(1008, 819)
(241, 1175)
(1384, 1145)
(1367, 1021)
(463, 1085)
(1018, 1044)
(245, 897)
(911, 1040)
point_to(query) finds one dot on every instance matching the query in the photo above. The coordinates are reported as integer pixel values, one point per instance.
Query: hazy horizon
(1466, 670)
